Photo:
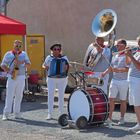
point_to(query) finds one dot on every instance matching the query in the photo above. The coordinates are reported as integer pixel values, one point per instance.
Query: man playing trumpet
(134, 87)
(14, 63)
(119, 84)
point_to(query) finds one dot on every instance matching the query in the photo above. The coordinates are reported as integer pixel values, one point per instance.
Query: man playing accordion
(57, 66)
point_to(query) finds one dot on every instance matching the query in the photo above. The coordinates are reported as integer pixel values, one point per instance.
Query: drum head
(79, 105)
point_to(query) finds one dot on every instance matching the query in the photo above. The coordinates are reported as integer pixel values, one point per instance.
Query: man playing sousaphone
(97, 59)
(14, 63)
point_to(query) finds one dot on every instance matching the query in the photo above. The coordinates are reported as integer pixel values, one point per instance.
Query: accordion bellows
(58, 68)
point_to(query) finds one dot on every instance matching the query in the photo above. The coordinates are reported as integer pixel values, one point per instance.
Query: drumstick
(107, 60)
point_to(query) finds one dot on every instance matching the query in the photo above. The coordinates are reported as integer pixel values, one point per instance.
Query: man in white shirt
(102, 56)
(14, 63)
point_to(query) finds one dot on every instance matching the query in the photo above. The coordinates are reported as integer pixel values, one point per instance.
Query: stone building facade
(69, 21)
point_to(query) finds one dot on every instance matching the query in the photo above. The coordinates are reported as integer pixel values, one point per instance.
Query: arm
(120, 70)
(26, 61)
(5, 64)
(5, 68)
(67, 64)
(131, 59)
(45, 65)
(107, 71)
(135, 62)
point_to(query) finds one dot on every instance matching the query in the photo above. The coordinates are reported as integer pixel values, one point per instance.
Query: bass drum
(91, 103)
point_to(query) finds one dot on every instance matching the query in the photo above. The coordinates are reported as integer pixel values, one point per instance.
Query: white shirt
(8, 60)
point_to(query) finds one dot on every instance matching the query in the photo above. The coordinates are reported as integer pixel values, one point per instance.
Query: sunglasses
(56, 49)
(119, 44)
(18, 46)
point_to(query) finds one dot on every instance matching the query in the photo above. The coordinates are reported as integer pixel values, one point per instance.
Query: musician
(57, 66)
(97, 59)
(134, 87)
(16, 79)
(119, 84)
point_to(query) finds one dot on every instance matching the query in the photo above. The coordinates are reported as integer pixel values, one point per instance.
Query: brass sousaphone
(103, 25)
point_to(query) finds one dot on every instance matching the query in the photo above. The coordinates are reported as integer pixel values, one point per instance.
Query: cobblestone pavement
(35, 127)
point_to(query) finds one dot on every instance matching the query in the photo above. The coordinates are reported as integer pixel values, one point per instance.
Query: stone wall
(69, 21)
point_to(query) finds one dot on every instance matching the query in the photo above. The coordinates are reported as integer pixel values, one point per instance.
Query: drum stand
(78, 76)
(84, 79)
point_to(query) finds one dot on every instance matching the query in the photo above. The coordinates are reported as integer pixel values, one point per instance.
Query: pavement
(34, 126)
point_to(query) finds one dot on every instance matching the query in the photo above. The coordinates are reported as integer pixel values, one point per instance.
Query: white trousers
(14, 94)
(60, 84)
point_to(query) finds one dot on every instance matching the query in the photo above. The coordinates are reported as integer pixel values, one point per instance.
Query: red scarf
(122, 53)
(14, 52)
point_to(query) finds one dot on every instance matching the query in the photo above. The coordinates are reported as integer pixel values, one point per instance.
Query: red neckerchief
(120, 54)
(103, 46)
(14, 52)
(138, 50)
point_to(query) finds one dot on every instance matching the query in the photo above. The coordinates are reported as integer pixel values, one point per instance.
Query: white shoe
(138, 132)
(135, 128)
(60, 113)
(121, 121)
(48, 117)
(5, 117)
(18, 116)
(109, 121)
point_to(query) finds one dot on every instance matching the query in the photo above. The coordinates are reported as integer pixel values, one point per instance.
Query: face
(17, 45)
(120, 46)
(56, 50)
(100, 41)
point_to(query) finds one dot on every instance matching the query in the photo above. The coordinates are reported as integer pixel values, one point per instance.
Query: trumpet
(132, 48)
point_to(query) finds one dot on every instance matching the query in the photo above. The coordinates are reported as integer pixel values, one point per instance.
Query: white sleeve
(65, 57)
(27, 60)
(47, 61)
(5, 60)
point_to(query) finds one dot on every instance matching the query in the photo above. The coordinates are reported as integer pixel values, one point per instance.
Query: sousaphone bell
(104, 23)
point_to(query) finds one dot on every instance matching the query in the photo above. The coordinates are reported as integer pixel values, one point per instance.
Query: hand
(7, 69)
(102, 74)
(45, 67)
(128, 52)
(98, 47)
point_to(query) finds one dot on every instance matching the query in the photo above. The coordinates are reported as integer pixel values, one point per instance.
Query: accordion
(57, 68)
